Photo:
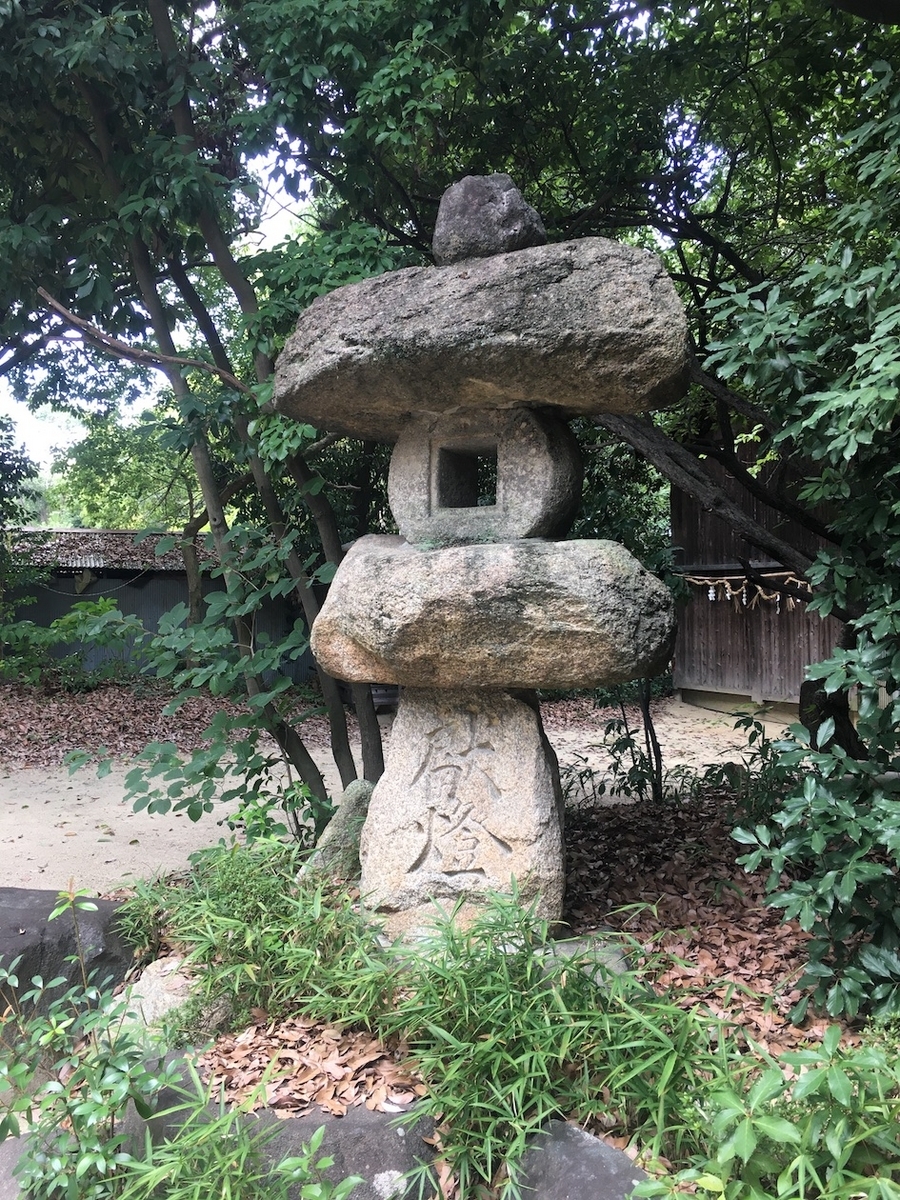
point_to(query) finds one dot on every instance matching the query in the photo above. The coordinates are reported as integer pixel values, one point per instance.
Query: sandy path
(56, 827)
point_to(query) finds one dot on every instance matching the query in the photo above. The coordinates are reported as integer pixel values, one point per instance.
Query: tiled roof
(99, 549)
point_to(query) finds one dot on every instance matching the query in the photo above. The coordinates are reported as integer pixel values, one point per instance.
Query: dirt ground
(57, 827)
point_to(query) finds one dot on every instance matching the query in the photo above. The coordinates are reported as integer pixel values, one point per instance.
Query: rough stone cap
(584, 327)
(483, 215)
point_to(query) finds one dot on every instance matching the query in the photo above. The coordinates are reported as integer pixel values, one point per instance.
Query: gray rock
(586, 326)
(483, 215)
(600, 955)
(526, 614)
(433, 485)
(337, 850)
(365, 1143)
(163, 986)
(45, 946)
(565, 1162)
(362, 1142)
(469, 800)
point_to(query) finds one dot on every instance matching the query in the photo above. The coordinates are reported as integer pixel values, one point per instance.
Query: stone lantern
(472, 369)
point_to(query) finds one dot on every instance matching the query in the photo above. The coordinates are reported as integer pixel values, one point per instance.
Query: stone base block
(470, 800)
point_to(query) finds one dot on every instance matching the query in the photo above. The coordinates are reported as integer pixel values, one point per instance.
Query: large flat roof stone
(583, 327)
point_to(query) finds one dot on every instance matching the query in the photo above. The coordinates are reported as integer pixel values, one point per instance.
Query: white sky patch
(282, 215)
(42, 433)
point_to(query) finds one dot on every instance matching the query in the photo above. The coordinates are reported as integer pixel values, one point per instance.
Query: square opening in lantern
(467, 478)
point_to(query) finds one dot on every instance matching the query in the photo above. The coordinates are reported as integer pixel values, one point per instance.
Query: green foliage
(624, 499)
(218, 1155)
(259, 936)
(16, 472)
(635, 767)
(823, 352)
(70, 1074)
(631, 770)
(16, 475)
(73, 1073)
(751, 789)
(832, 851)
(38, 654)
(819, 1122)
(140, 921)
(758, 783)
(240, 763)
(298, 270)
(508, 1033)
(694, 122)
(237, 766)
(123, 476)
(691, 123)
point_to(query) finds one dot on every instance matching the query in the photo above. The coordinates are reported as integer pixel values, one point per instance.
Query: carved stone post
(472, 368)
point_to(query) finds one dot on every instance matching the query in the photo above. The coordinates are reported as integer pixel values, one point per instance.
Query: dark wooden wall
(758, 650)
(701, 539)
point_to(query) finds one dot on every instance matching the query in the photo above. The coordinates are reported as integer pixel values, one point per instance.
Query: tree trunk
(337, 720)
(685, 471)
(654, 754)
(194, 578)
(320, 509)
(326, 523)
(302, 762)
(817, 706)
(365, 491)
(340, 740)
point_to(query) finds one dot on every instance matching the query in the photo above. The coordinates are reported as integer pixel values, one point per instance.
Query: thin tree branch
(120, 349)
(685, 471)
(718, 389)
(317, 447)
(774, 500)
(227, 494)
(207, 219)
(22, 353)
(756, 577)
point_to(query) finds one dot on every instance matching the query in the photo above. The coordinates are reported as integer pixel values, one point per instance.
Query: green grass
(508, 1036)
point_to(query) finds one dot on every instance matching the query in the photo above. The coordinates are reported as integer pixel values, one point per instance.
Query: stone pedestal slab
(527, 614)
(470, 798)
